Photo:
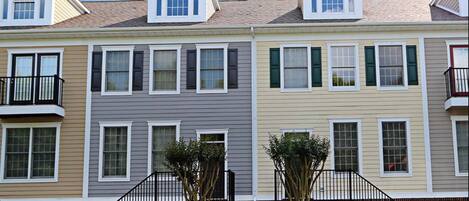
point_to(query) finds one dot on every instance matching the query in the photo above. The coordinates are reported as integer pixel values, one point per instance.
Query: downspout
(254, 112)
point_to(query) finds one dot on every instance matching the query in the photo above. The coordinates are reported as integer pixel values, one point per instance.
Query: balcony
(31, 96)
(456, 87)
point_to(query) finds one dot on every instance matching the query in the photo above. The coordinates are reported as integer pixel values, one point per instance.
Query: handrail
(456, 80)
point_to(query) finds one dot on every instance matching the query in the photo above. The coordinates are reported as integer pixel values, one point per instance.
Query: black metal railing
(164, 186)
(456, 82)
(31, 90)
(335, 185)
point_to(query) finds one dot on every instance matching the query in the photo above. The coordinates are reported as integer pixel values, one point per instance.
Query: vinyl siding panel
(64, 10)
(313, 109)
(195, 111)
(441, 137)
(70, 176)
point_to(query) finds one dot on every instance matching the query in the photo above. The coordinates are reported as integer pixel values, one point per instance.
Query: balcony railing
(31, 90)
(456, 82)
(335, 185)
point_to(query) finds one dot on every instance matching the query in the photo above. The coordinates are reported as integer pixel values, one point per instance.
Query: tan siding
(441, 137)
(72, 131)
(64, 10)
(313, 110)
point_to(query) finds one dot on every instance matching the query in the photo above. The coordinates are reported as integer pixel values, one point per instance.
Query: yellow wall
(72, 131)
(64, 10)
(313, 109)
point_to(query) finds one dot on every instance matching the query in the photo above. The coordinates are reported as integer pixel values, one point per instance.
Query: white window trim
(152, 124)
(450, 43)
(225, 133)
(454, 119)
(404, 58)
(409, 148)
(154, 48)
(308, 13)
(102, 125)
(359, 140)
(57, 125)
(225, 67)
(154, 18)
(357, 67)
(297, 130)
(36, 21)
(106, 49)
(282, 68)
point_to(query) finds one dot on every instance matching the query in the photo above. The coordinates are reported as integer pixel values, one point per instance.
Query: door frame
(12, 84)
(55, 82)
(225, 142)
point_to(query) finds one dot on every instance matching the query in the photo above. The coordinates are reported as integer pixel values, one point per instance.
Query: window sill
(397, 174)
(461, 174)
(339, 89)
(221, 91)
(163, 92)
(113, 179)
(16, 181)
(123, 93)
(396, 88)
(297, 90)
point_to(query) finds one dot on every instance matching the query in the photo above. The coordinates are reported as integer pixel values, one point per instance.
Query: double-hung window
(117, 70)
(161, 135)
(395, 147)
(343, 67)
(30, 152)
(114, 151)
(460, 144)
(333, 9)
(392, 66)
(165, 69)
(295, 67)
(345, 140)
(212, 68)
(23, 9)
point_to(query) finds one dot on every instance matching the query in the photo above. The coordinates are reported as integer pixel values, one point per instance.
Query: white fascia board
(31, 110)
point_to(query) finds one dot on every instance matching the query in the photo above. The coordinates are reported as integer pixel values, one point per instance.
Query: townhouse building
(93, 91)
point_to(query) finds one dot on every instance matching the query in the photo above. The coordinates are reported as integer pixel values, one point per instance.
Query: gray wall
(195, 111)
(441, 139)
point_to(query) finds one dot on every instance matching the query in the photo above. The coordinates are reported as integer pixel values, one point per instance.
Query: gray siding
(441, 138)
(195, 111)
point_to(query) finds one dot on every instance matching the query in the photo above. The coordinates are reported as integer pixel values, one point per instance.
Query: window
(178, 7)
(345, 144)
(392, 68)
(23, 10)
(114, 154)
(332, 9)
(30, 152)
(161, 135)
(343, 67)
(295, 67)
(297, 133)
(460, 126)
(212, 74)
(117, 70)
(395, 143)
(332, 6)
(165, 69)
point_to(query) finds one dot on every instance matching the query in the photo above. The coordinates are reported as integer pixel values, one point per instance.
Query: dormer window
(332, 9)
(163, 11)
(23, 10)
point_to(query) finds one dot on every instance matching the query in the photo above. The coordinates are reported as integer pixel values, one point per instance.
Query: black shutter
(370, 66)
(137, 78)
(232, 68)
(412, 72)
(191, 78)
(316, 73)
(96, 71)
(275, 68)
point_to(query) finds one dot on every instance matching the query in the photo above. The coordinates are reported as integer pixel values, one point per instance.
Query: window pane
(391, 65)
(5, 9)
(343, 66)
(17, 153)
(165, 70)
(212, 69)
(296, 134)
(178, 7)
(395, 147)
(23, 10)
(314, 6)
(460, 57)
(43, 152)
(23, 86)
(117, 71)
(115, 151)
(351, 6)
(295, 67)
(212, 137)
(162, 137)
(332, 6)
(346, 146)
(462, 130)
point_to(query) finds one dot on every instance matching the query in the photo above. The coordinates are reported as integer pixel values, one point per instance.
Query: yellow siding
(313, 109)
(72, 131)
(64, 10)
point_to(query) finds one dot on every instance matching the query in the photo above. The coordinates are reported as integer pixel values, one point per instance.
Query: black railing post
(232, 185)
(155, 180)
(275, 185)
(350, 184)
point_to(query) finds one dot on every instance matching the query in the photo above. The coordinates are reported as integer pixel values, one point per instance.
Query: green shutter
(370, 65)
(275, 68)
(316, 67)
(412, 71)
